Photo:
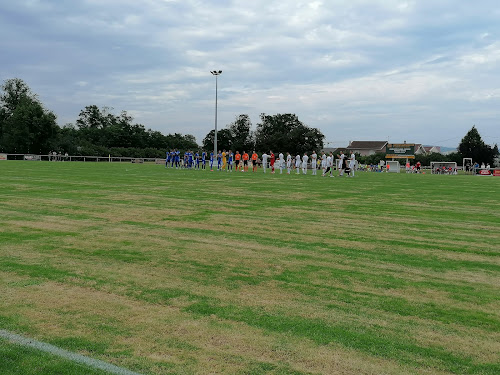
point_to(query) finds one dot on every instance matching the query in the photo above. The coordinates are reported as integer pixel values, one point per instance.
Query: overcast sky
(422, 71)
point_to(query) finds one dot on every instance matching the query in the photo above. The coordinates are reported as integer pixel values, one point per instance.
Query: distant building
(426, 150)
(334, 150)
(365, 148)
(327, 150)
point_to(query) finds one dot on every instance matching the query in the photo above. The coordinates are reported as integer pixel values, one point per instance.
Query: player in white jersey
(305, 159)
(323, 161)
(297, 163)
(281, 161)
(288, 162)
(329, 165)
(352, 164)
(264, 161)
(341, 163)
(314, 161)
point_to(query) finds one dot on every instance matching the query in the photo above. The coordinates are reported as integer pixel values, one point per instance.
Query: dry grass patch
(163, 334)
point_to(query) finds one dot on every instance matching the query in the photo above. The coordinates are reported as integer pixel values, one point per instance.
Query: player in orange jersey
(245, 162)
(254, 161)
(237, 158)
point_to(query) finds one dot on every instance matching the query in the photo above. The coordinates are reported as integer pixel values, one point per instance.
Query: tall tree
(496, 156)
(224, 140)
(241, 133)
(285, 132)
(472, 146)
(25, 125)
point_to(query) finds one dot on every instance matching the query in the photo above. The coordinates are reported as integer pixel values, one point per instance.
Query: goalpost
(443, 167)
(393, 166)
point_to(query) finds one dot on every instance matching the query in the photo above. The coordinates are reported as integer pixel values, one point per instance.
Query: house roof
(334, 150)
(429, 148)
(367, 145)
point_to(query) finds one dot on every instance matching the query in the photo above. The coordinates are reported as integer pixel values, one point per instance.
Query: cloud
(361, 68)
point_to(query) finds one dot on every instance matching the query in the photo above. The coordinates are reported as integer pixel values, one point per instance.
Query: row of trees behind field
(26, 126)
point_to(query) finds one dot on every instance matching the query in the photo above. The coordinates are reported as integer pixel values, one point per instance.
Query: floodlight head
(220, 71)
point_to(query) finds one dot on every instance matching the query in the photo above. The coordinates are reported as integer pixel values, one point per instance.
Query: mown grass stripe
(358, 338)
(399, 271)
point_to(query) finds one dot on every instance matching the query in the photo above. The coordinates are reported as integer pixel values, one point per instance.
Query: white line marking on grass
(74, 357)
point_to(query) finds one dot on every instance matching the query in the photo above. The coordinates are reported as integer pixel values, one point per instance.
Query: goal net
(443, 167)
(467, 164)
(393, 166)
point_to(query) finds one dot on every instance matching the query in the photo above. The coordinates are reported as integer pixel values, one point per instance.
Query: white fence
(86, 158)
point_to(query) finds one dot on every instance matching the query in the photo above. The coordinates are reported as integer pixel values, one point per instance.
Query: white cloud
(358, 65)
(489, 55)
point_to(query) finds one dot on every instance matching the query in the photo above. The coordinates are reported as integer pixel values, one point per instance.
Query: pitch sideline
(74, 357)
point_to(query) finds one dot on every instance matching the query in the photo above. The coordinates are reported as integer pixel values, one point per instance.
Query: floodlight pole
(216, 73)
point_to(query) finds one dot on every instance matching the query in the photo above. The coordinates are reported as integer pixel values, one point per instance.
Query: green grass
(176, 272)
(15, 360)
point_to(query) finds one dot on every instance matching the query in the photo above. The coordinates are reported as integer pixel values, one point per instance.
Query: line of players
(226, 160)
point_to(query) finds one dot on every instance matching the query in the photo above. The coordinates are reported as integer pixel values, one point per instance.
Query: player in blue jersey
(177, 159)
(167, 159)
(172, 158)
(196, 160)
(212, 161)
(219, 161)
(230, 158)
(190, 159)
(203, 160)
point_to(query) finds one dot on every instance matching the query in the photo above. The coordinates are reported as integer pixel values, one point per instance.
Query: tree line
(280, 132)
(26, 126)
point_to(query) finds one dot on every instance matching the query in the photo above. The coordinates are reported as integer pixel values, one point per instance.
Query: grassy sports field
(167, 271)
